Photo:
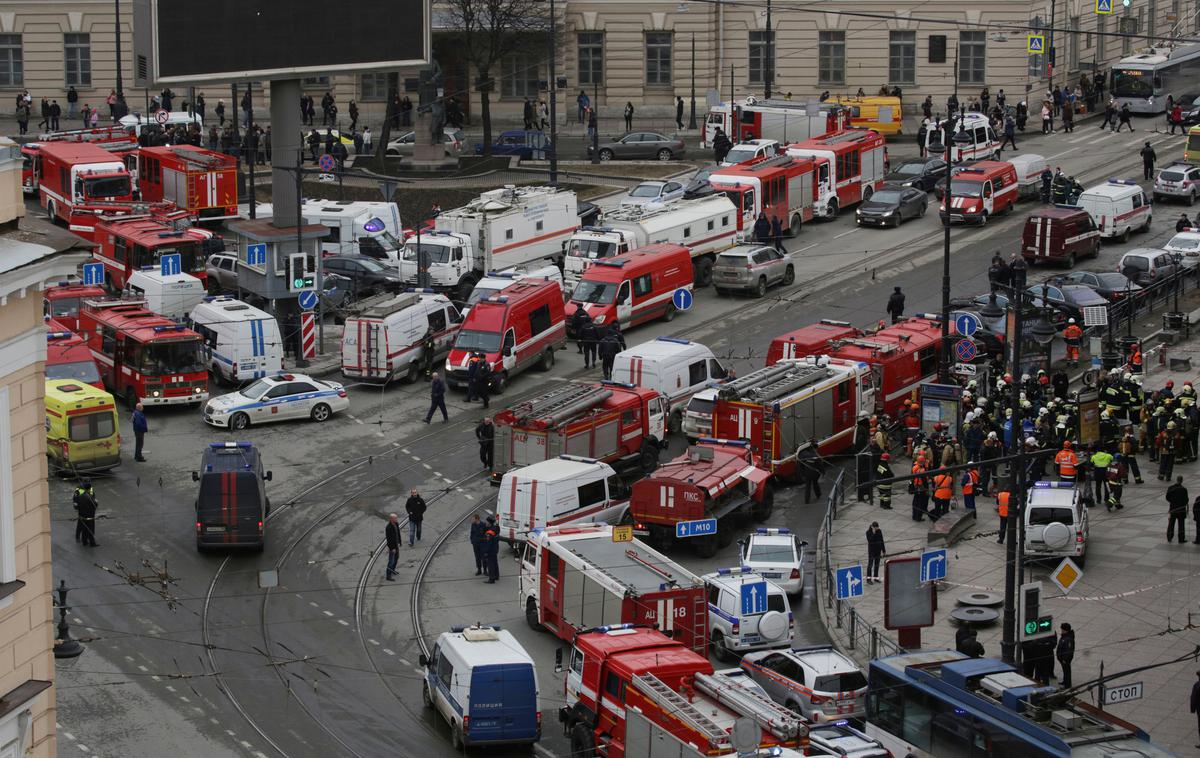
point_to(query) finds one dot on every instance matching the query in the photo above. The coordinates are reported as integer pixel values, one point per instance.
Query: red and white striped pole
(308, 335)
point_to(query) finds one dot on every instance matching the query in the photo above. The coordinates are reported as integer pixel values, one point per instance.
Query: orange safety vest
(1067, 461)
(1136, 360)
(1002, 500)
(969, 482)
(943, 487)
(918, 469)
(1072, 334)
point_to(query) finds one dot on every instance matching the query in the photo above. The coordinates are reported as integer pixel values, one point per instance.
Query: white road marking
(468, 496)
(170, 688)
(358, 421)
(328, 613)
(69, 736)
(343, 622)
(142, 668)
(184, 699)
(406, 663)
(427, 466)
(373, 642)
(843, 234)
(389, 652)
(245, 744)
(1064, 152)
(404, 450)
(416, 458)
(419, 672)
(313, 604)
(806, 247)
(84, 748)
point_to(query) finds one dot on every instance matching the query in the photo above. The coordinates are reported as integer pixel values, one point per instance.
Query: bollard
(64, 646)
(1162, 354)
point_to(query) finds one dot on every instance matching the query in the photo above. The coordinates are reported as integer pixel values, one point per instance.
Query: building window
(658, 58)
(12, 64)
(520, 77)
(591, 59)
(902, 58)
(377, 86)
(77, 56)
(1037, 61)
(1073, 45)
(831, 58)
(315, 81)
(1101, 23)
(972, 57)
(762, 58)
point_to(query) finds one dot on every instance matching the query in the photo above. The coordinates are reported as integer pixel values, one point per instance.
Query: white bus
(1143, 81)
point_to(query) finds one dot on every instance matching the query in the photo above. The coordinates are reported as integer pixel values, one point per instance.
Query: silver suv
(817, 681)
(222, 270)
(1178, 180)
(730, 630)
(752, 268)
(1056, 522)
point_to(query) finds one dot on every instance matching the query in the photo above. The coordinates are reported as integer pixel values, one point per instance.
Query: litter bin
(1111, 360)
(1173, 322)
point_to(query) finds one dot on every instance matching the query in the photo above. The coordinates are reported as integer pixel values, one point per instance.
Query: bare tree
(489, 31)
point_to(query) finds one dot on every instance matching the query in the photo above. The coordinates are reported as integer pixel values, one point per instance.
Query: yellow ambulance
(82, 433)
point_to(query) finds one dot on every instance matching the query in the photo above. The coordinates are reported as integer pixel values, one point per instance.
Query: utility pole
(1052, 58)
(553, 105)
(948, 138)
(1016, 478)
(692, 116)
(595, 112)
(769, 63)
(117, 25)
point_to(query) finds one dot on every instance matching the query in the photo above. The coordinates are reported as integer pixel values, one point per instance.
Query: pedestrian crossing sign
(1104, 6)
(1036, 43)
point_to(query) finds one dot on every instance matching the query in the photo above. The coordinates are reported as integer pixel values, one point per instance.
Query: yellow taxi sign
(1067, 575)
(1035, 43)
(623, 533)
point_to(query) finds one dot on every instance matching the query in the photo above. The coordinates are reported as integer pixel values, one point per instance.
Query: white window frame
(901, 42)
(81, 52)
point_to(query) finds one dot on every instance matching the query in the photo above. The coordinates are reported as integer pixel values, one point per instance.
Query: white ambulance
(497, 281)
(386, 339)
(676, 368)
(173, 295)
(565, 490)
(355, 226)
(241, 342)
(1118, 207)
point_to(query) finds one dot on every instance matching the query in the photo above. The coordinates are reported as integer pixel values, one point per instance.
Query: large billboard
(185, 41)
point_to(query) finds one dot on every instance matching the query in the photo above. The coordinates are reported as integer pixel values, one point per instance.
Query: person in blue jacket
(478, 539)
(140, 427)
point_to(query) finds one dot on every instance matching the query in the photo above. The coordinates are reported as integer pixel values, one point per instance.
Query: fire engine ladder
(878, 347)
(561, 403)
(771, 716)
(790, 382)
(678, 706)
(739, 387)
(375, 366)
(699, 624)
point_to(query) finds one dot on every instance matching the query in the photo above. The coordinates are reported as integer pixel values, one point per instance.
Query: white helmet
(1070, 321)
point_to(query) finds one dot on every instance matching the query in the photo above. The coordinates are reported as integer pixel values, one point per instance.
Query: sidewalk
(1134, 605)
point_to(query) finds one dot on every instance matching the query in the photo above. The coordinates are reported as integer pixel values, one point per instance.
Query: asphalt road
(186, 652)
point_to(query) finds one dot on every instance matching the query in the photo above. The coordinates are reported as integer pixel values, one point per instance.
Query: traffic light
(1031, 624)
(1126, 3)
(300, 275)
(1052, 61)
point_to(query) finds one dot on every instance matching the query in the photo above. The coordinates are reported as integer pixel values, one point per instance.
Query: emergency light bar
(970, 170)
(716, 441)
(374, 225)
(502, 274)
(676, 340)
(230, 445)
(497, 299)
(57, 335)
(601, 229)
(1121, 181)
(612, 383)
(420, 290)
(730, 571)
(1055, 485)
(613, 263)
(771, 531)
(577, 458)
(175, 328)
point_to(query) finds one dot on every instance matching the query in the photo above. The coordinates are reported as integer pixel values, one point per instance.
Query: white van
(563, 490)
(173, 295)
(484, 684)
(730, 631)
(1118, 207)
(1056, 522)
(980, 139)
(495, 281)
(675, 368)
(241, 342)
(355, 226)
(387, 338)
(697, 417)
(140, 124)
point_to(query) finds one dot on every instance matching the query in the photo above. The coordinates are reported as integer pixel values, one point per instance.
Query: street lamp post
(768, 74)
(117, 34)
(553, 104)
(961, 137)
(692, 114)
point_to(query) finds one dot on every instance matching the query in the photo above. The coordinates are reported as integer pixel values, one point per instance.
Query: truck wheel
(425, 697)
(703, 271)
(465, 285)
(761, 511)
(546, 362)
(1126, 233)
(414, 373)
(499, 383)
(1071, 260)
(833, 208)
(531, 615)
(51, 216)
(239, 422)
(706, 547)
(456, 737)
(669, 315)
(794, 228)
(719, 650)
(649, 457)
(583, 743)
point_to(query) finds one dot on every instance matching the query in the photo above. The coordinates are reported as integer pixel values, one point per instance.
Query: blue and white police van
(484, 684)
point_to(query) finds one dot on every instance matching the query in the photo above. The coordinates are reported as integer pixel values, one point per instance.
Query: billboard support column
(286, 152)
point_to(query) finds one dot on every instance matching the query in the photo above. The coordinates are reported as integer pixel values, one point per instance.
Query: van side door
(624, 304)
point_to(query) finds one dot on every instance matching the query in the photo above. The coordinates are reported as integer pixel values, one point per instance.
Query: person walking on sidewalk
(875, 551)
(415, 508)
(1010, 132)
(1002, 498)
(679, 112)
(1065, 653)
(1148, 158)
(584, 103)
(437, 398)
(486, 434)
(391, 535)
(491, 552)
(895, 304)
(1110, 117)
(1177, 505)
(140, 427)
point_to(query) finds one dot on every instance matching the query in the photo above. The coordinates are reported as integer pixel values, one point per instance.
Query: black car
(698, 185)
(1110, 285)
(367, 276)
(1189, 105)
(1070, 299)
(921, 173)
(890, 206)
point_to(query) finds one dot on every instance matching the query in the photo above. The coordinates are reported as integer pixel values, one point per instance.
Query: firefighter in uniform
(883, 490)
(943, 491)
(920, 483)
(1118, 476)
(1127, 450)
(1167, 443)
(83, 490)
(1073, 336)
(1114, 397)
(1067, 462)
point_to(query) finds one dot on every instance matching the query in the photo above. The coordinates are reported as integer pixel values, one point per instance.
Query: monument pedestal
(427, 156)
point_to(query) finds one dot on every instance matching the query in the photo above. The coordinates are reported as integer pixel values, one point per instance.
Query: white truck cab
(676, 368)
(563, 490)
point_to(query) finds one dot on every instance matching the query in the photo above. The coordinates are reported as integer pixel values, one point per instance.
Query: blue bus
(942, 704)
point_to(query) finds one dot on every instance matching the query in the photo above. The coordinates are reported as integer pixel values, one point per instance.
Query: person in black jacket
(86, 506)
(1065, 652)
(477, 542)
(777, 234)
(721, 146)
(895, 304)
(875, 551)
(491, 549)
(85, 490)
(483, 381)
(1195, 703)
(609, 347)
(1177, 505)
(762, 229)
(437, 398)
(485, 433)
(578, 318)
(589, 338)
(415, 508)
(679, 112)
(391, 535)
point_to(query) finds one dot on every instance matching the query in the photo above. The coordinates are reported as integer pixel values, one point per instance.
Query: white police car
(778, 555)
(1056, 522)
(277, 398)
(732, 632)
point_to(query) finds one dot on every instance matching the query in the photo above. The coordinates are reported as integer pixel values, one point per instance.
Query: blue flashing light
(676, 340)
(615, 263)
(601, 229)
(613, 628)
(1113, 180)
(497, 299)
(57, 335)
(612, 383)
(420, 290)
(842, 722)
(230, 445)
(1055, 485)
(374, 225)
(770, 530)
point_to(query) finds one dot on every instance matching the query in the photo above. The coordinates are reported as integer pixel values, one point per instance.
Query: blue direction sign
(965, 350)
(966, 324)
(754, 598)
(933, 565)
(171, 264)
(256, 255)
(682, 298)
(93, 273)
(327, 163)
(1104, 6)
(699, 528)
(308, 299)
(850, 582)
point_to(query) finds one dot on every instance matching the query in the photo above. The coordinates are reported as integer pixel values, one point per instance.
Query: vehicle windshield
(645, 190)
(887, 197)
(91, 426)
(484, 342)
(256, 390)
(84, 371)
(190, 258)
(1135, 262)
(602, 293)
(1184, 243)
(1040, 516)
(960, 188)
(388, 241)
(64, 307)
(743, 199)
(26, 161)
(1171, 176)
(174, 357)
(1132, 82)
(700, 405)
(106, 186)
(732, 260)
(910, 169)
(848, 681)
(436, 253)
(592, 248)
(739, 154)
(481, 293)
(765, 553)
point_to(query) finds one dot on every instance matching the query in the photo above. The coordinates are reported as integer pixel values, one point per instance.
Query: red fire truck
(63, 302)
(857, 159)
(794, 409)
(85, 215)
(901, 356)
(193, 178)
(782, 120)
(144, 357)
(780, 186)
(125, 244)
(813, 339)
(115, 139)
(619, 424)
(574, 577)
(101, 135)
(70, 174)
(634, 693)
(714, 479)
(68, 356)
